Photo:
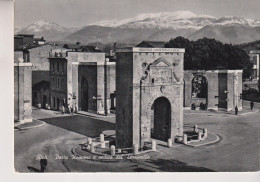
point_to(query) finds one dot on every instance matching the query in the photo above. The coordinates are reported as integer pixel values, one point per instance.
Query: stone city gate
(149, 95)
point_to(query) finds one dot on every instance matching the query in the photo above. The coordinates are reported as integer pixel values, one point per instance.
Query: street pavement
(238, 150)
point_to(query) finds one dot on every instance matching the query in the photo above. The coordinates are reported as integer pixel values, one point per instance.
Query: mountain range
(157, 27)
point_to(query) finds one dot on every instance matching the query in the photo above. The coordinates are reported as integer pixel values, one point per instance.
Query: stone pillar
(89, 140)
(103, 145)
(102, 138)
(92, 149)
(113, 150)
(169, 142)
(136, 149)
(75, 85)
(196, 128)
(185, 139)
(23, 92)
(153, 145)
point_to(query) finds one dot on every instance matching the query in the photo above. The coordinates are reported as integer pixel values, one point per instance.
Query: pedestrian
(43, 163)
(39, 106)
(251, 105)
(71, 110)
(62, 109)
(76, 108)
(68, 109)
(236, 110)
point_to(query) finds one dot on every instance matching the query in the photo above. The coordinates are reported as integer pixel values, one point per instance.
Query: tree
(209, 54)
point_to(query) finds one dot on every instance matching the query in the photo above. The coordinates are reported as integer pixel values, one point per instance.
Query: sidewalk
(111, 115)
(34, 124)
(245, 111)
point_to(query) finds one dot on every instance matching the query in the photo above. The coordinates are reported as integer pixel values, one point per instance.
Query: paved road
(237, 151)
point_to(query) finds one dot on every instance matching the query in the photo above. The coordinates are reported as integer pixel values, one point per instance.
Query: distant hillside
(247, 47)
(228, 33)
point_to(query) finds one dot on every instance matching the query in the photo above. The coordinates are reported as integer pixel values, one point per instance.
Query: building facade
(81, 79)
(39, 57)
(149, 89)
(217, 89)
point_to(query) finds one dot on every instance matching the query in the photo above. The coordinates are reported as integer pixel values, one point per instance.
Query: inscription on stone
(161, 75)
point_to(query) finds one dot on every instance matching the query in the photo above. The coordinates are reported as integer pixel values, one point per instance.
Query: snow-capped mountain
(46, 29)
(166, 25)
(158, 26)
(173, 20)
(229, 20)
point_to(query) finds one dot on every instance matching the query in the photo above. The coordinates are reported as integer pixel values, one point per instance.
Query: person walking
(71, 110)
(252, 105)
(236, 110)
(76, 108)
(43, 164)
(62, 109)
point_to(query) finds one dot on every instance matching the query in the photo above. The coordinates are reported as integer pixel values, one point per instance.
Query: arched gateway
(149, 90)
(161, 119)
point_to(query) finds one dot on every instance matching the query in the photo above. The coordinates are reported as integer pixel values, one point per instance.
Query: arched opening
(84, 94)
(200, 89)
(161, 119)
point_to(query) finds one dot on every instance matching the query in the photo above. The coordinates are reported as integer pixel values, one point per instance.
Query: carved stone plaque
(161, 75)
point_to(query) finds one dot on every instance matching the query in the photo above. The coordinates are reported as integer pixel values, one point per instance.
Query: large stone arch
(161, 119)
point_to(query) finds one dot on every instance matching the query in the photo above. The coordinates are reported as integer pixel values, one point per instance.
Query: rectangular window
(62, 66)
(58, 67)
(58, 82)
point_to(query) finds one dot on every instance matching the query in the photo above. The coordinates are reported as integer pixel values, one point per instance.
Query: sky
(77, 13)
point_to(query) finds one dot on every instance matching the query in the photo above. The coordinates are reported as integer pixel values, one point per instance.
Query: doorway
(84, 94)
(161, 119)
(44, 101)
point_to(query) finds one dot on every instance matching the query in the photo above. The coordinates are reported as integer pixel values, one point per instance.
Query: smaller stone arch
(199, 85)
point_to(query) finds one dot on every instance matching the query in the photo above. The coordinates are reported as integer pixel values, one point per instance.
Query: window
(199, 87)
(53, 66)
(62, 66)
(62, 82)
(58, 82)
(58, 67)
(53, 81)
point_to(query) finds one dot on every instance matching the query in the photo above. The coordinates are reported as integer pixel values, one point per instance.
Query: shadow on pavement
(170, 166)
(33, 169)
(79, 124)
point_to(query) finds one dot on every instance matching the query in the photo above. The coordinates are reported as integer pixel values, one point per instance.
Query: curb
(247, 113)
(98, 116)
(43, 123)
(208, 143)
(73, 151)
